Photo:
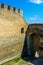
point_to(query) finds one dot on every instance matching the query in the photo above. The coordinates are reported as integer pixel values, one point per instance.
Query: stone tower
(11, 21)
(12, 32)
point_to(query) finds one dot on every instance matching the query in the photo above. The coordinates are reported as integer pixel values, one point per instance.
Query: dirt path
(22, 62)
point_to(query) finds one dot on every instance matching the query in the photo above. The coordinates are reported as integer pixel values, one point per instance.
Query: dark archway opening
(22, 30)
(34, 44)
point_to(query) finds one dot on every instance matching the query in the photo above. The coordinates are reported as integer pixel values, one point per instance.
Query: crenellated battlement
(4, 7)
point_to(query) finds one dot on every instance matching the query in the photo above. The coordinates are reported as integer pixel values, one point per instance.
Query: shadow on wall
(24, 51)
(24, 54)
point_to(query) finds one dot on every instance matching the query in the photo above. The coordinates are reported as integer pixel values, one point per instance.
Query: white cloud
(36, 1)
(33, 18)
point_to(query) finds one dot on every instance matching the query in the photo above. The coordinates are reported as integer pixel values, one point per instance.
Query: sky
(32, 9)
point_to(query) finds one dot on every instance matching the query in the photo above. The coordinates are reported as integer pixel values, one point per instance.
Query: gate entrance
(34, 43)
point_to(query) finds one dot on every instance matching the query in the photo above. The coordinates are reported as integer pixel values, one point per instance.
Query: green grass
(15, 60)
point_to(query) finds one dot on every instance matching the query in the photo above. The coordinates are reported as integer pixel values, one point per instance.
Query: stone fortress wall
(11, 21)
(12, 32)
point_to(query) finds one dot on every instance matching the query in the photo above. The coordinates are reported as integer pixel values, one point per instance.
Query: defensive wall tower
(5, 8)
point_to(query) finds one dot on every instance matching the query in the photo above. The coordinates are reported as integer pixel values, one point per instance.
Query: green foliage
(16, 59)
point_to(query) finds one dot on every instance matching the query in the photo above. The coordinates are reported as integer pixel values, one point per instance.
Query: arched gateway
(35, 40)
